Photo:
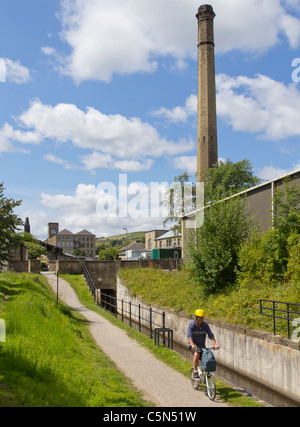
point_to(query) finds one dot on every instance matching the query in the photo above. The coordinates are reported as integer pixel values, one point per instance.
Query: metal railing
(90, 282)
(110, 303)
(127, 313)
(286, 312)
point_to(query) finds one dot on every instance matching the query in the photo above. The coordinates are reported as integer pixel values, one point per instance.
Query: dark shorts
(200, 350)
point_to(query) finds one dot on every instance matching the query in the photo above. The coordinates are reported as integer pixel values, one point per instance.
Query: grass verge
(49, 358)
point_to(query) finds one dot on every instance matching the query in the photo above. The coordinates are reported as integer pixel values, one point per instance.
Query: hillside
(119, 240)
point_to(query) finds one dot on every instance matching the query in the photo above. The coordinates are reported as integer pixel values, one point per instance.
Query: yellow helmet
(199, 313)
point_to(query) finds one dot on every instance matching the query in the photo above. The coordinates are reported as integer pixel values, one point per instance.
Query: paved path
(158, 383)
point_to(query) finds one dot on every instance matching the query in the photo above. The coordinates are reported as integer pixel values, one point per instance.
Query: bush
(293, 266)
(108, 254)
(264, 258)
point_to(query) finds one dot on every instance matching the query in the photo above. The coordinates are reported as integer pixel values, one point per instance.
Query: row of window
(170, 243)
(70, 245)
(79, 239)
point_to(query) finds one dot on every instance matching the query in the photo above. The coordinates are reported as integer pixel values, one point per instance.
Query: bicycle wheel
(195, 383)
(210, 386)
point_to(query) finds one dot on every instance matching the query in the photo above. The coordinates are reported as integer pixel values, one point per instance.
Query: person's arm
(191, 342)
(190, 338)
(215, 344)
(212, 338)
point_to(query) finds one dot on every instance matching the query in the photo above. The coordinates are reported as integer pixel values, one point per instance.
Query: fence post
(288, 316)
(151, 330)
(274, 319)
(122, 310)
(140, 318)
(130, 314)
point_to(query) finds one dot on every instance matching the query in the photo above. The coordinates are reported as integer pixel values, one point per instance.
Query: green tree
(227, 178)
(9, 225)
(213, 253)
(79, 252)
(179, 200)
(35, 249)
(269, 257)
(108, 254)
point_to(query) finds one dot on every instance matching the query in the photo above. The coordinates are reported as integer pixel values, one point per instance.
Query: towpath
(158, 383)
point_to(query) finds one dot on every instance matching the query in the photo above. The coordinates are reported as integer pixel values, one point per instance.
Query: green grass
(240, 306)
(49, 358)
(225, 393)
(131, 237)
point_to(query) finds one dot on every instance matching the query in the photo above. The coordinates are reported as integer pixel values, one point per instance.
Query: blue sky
(97, 88)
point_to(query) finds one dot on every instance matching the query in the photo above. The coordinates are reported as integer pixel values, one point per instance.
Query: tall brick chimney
(207, 145)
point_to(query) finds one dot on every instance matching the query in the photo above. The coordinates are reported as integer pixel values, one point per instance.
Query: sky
(98, 103)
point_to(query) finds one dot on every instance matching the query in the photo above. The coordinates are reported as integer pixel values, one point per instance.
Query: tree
(108, 254)
(214, 251)
(79, 252)
(227, 178)
(222, 180)
(35, 249)
(9, 225)
(180, 199)
(213, 254)
(270, 256)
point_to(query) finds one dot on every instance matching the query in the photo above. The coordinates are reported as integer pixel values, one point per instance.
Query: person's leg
(196, 361)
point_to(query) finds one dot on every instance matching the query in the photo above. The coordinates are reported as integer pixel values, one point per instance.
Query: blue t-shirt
(199, 334)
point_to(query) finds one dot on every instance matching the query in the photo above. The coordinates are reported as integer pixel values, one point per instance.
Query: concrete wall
(270, 361)
(103, 273)
(66, 267)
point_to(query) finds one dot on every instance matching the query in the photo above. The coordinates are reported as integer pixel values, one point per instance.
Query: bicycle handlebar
(209, 348)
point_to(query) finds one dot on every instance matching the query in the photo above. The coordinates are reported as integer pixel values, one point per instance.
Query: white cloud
(125, 37)
(268, 173)
(179, 114)
(186, 163)
(54, 159)
(116, 142)
(259, 105)
(15, 72)
(8, 136)
(98, 160)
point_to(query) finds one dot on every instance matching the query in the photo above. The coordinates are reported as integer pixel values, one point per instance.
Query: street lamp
(126, 240)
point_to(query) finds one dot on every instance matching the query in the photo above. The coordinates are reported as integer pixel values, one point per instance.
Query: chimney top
(206, 10)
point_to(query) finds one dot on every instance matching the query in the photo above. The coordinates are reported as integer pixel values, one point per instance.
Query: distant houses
(68, 241)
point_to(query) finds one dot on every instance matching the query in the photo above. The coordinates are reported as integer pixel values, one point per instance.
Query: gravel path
(158, 383)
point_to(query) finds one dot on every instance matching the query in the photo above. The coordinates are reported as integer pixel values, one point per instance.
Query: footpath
(158, 383)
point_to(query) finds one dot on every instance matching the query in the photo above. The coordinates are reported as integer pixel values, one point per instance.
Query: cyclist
(197, 331)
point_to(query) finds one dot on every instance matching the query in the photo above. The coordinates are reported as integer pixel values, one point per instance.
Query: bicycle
(204, 378)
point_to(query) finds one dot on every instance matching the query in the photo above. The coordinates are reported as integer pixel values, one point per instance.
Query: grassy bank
(49, 358)
(239, 306)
